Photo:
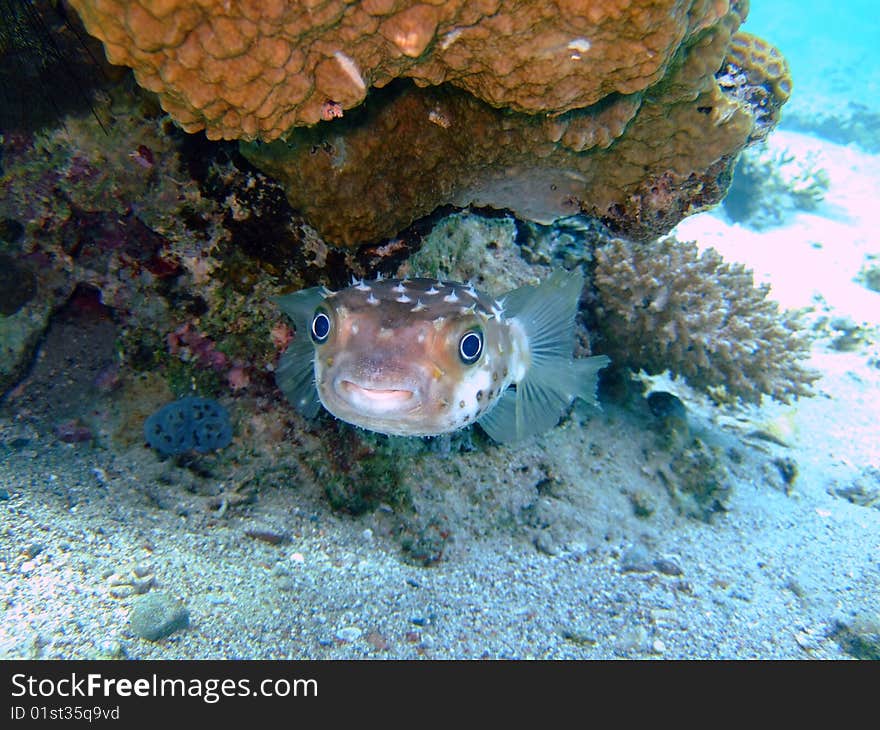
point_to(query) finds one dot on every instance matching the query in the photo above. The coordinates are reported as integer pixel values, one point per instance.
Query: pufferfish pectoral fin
(295, 375)
(500, 420)
(553, 379)
(537, 403)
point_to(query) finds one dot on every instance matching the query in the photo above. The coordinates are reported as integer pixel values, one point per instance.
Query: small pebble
(143, 584)
(578, 635)
(808, 641)
(270, 537)
(633, 638)
(157, 615)
(796, 587)
(668, 566)
(658, 646)
(636, 560)
(377, 641)
(123, 590)
(112, 649)
(546, 544)
(349, 634)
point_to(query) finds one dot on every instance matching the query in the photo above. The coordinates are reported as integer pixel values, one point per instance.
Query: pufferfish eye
(470, 346)
(320, 327)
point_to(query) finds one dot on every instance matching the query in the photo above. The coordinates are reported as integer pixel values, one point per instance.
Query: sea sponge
(666, 306)
(195, 423)
(246, 69)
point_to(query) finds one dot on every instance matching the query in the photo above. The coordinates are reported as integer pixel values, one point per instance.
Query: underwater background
(159, 496)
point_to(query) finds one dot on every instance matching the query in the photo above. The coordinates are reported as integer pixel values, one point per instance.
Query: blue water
(830, 46)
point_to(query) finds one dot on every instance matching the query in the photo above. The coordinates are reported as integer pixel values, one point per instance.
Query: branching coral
(665, 305)
(769, 183)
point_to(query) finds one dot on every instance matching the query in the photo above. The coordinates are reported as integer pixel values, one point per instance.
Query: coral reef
(630, 112)
(869, 274)
(851, 122)
(248, 69)
(770, 183)
(66, 387)
(29, 293)
(666, 306)
(184, 245)
(639, 163)
(466, 246)
(697, 479)
(18, 285)
(568, 241)
(363, 470)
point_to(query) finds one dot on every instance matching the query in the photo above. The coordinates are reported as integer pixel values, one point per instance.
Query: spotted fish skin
(422, 357)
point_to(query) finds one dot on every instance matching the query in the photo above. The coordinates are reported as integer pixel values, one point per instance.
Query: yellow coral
(757, 74)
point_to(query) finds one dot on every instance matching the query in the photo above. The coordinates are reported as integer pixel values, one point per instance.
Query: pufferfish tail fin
(295, 375)
(553, 378)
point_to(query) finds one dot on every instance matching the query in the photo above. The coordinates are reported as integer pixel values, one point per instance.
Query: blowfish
(423, 357)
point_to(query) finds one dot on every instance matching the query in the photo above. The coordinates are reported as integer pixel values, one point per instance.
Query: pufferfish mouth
(388, 397)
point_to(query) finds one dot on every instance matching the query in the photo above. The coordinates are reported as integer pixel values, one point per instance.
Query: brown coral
(664, 305)
(638, 126)
(245, 69)
(640, 162)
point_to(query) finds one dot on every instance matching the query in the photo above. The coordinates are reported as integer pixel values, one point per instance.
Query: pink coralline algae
(143, 156)
(238, 377)
(331, 110)
(196, 347)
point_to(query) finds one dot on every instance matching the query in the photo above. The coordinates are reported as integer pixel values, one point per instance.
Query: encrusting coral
(666, 306)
